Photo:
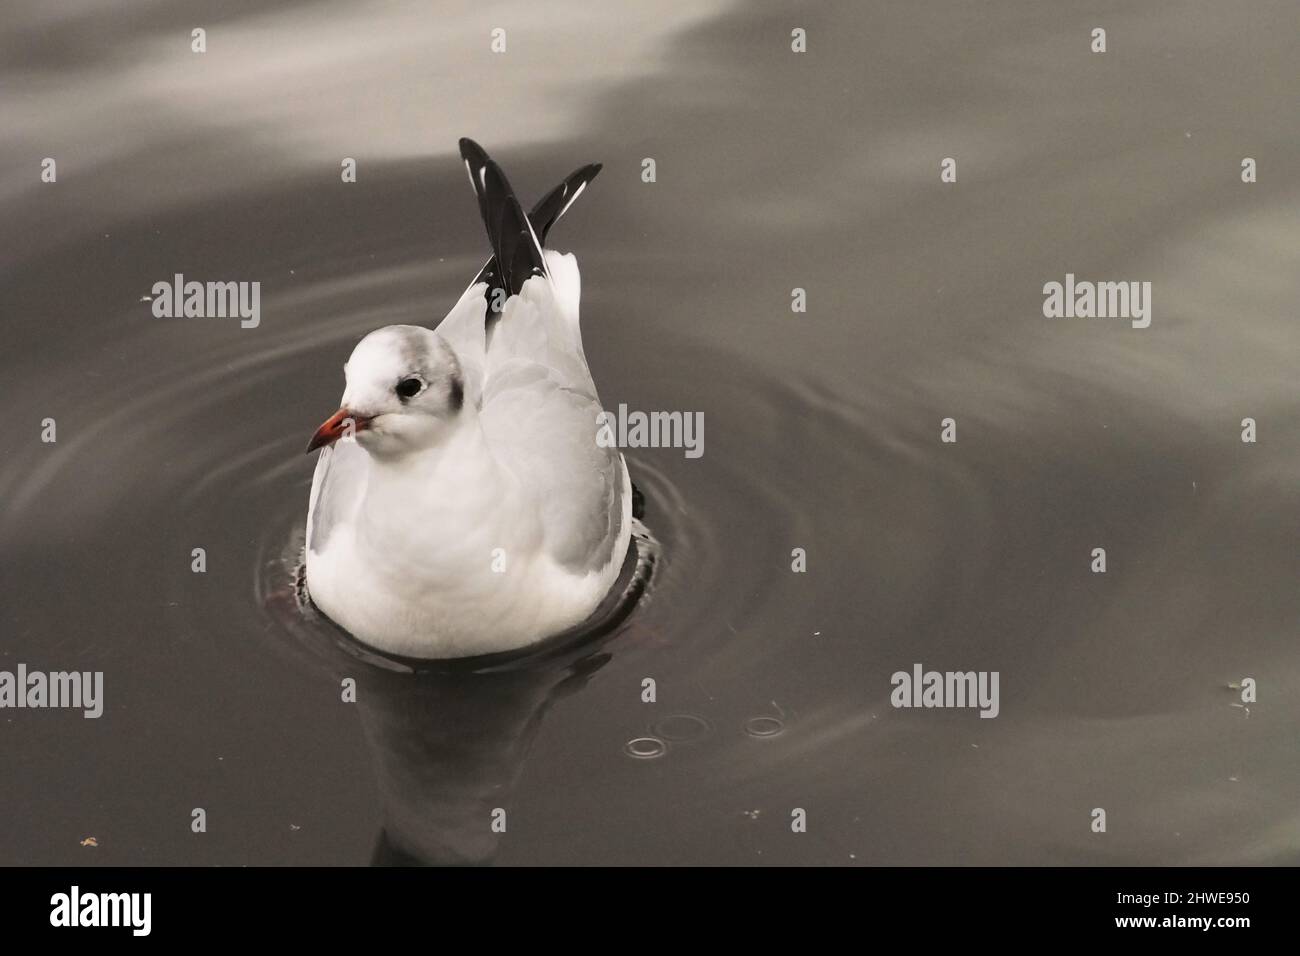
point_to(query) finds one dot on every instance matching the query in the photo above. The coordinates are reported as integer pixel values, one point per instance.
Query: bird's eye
(409, 387)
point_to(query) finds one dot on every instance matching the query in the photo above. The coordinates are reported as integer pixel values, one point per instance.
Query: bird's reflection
(447, 750)
(448, 739)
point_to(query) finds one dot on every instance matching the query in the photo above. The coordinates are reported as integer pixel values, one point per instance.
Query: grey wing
(546, 432)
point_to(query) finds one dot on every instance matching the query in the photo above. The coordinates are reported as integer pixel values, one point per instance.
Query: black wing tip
(516, 249)
(517, 238)
(548, 210)
(584, 174)
(471, 151)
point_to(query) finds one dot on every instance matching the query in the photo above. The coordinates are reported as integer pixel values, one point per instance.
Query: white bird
(470, 506)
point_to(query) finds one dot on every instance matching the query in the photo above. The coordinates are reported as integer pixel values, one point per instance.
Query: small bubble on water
(681, 728)
(764, 726)
(645, 748)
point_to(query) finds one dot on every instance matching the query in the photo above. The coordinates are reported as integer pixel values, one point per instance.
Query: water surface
(774, 171)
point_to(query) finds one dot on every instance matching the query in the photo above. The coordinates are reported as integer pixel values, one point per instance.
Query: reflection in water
(447, 749)
(448, 739)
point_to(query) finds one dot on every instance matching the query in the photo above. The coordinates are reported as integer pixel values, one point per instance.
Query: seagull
(463, 502)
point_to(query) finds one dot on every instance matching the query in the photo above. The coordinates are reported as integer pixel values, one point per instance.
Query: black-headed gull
(470, 507)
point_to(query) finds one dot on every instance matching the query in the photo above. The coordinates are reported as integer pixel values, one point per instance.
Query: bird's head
(404, 394)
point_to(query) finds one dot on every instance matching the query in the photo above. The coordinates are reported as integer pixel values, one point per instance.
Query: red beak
(341, 423)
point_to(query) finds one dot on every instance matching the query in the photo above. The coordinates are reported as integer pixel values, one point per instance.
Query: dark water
(775, 171)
